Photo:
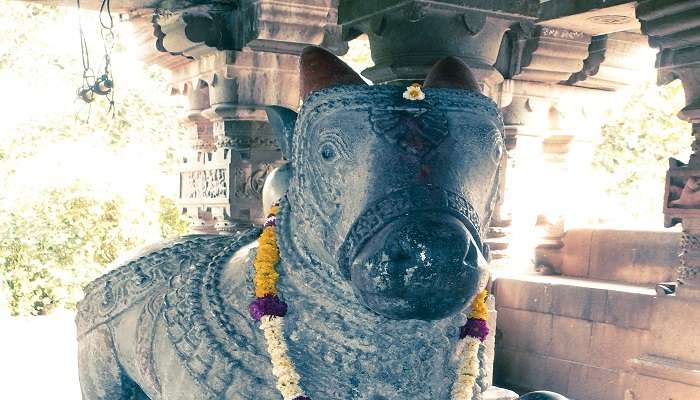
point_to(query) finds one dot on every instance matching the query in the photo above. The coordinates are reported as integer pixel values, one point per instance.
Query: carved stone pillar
(555, 90)
(554, 127)
(231, 60)
(499, 234)
(672, 27)
(407, 38)
(245, 147)
(543, 56)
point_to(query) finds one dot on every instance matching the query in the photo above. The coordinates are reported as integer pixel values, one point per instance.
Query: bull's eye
(497, 153)
(331, 146)
(498, 148)
(328, 152)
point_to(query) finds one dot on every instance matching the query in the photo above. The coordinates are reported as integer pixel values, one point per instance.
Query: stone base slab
(496, 393)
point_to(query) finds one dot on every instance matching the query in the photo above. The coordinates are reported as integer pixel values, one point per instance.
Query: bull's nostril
(472, 254)
(396, 250)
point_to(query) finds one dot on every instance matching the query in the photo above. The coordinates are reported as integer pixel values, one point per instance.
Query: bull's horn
(282, 121)
(321, 69)
(451, 72)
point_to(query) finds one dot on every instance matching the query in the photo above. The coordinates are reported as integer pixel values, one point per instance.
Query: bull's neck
(305, 262)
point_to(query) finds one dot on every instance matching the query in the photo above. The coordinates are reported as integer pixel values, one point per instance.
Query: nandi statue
(372, 259)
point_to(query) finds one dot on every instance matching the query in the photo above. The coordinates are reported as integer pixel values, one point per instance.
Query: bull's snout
(421, 266)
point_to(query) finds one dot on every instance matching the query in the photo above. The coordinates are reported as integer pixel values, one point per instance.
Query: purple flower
(267, 305)
(270, 221)
(476, 328)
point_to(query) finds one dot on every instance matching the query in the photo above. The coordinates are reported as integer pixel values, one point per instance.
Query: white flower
(467, 371)
(282, 366)
(414, 92)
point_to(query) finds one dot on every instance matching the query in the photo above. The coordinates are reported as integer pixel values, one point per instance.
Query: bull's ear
(451, 72)
(320, 69)
(282, 120)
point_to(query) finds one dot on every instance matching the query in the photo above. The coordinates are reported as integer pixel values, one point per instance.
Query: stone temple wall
(596, 333)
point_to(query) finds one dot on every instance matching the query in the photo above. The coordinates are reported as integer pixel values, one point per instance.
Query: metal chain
(102, 85)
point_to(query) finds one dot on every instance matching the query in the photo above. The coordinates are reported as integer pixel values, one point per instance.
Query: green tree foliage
(631, 160)
(80, 186)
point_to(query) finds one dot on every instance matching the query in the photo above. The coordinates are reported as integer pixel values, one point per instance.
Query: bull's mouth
(424, 263)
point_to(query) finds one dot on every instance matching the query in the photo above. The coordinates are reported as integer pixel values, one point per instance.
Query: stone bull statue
(385, 200)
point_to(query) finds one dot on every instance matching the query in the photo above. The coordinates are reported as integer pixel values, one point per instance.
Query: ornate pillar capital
(407, 38)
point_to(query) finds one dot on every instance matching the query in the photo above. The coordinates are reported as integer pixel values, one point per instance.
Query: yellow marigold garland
(479, 308)
(266, 263)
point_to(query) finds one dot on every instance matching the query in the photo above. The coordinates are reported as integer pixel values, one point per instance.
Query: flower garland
(473, 332)
(269, 310)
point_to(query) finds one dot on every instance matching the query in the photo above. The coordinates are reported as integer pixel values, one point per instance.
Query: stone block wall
(603, 333)
(558, 334)
(635, 257)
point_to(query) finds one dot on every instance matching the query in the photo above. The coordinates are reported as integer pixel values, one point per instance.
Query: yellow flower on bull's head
(414, 92)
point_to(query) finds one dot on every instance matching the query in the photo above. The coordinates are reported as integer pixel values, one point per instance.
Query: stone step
(633, 257)
(666, 368)
(496, 393)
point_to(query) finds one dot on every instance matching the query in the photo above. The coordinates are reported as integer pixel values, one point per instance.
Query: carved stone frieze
(207, 184)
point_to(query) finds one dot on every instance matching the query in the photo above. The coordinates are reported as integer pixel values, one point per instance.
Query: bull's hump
(206, 321)
(113, 293)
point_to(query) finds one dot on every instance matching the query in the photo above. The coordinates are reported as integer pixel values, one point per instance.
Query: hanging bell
(86, 94)
(103, 85)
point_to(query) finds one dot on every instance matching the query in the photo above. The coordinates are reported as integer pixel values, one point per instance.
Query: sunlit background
(82, 186)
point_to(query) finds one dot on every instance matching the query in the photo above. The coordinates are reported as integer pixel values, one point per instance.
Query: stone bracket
(264, 25)
(674, 28)
(542, 54)
(199, 30)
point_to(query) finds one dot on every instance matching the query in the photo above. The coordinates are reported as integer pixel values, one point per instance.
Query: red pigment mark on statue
(425, 173)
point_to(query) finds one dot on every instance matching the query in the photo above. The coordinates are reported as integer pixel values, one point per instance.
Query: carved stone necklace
(269, 310)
